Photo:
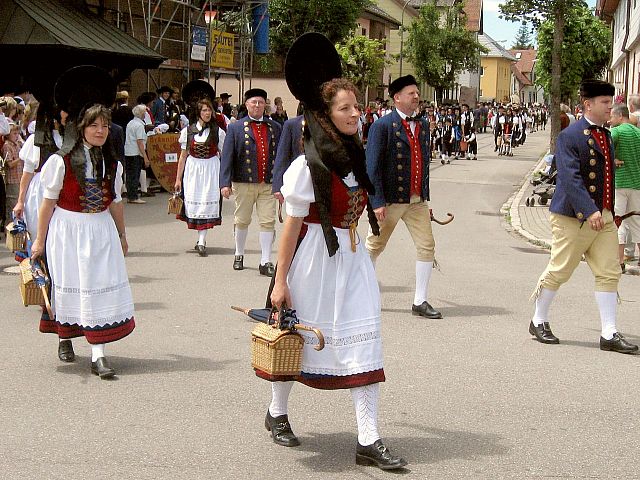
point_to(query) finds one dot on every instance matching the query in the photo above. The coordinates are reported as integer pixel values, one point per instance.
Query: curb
(510, 207)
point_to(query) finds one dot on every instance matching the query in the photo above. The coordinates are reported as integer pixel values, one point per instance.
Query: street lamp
(402, 32)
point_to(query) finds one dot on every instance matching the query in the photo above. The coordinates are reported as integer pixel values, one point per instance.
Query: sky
(499, 29)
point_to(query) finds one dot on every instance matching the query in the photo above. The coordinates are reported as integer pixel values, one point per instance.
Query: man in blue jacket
(248, 156)
(582, 218)
(289, 148)
(398, 165)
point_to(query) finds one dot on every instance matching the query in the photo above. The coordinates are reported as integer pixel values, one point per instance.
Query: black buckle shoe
(65, 351)
(102, 368)
(238, 262)
(425, 310)
(543, 333)
(202, 250)
(379, 455)
(280, 429)
(617, 344)
(267, 269)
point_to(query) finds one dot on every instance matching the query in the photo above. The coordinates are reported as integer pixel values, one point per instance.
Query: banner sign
(222, 49)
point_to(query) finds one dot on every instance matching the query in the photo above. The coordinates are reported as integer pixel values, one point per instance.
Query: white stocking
(423, 274)
(202, 237)
(97, 351)
(543, 302)
(365, 400)
(266, 240)
(607, 304)
(241, 240)
(280, 398)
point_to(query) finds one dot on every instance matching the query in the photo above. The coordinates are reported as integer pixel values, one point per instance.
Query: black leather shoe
(267, 269)
(425, 310)
(238, 262)
(202, 250)
(65, 351)
(617, 344)
(102, 368)
(379, 455)
(280, 429)
(543, 333)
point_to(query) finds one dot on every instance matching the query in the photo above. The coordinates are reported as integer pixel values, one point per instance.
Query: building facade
(495, 74)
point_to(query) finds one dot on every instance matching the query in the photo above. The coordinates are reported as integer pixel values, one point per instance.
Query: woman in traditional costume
(198, 177)
(82, 221)
(324, 272)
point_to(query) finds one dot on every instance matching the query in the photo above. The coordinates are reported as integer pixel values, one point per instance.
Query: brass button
(398, 144)
(592, 152)
(591, 142)
(250, 179)
(400, 200)
(586, 131)
(246, 142)
(400, 189)
(592, 175)
(592, 188)
(399, 156)
(394, 124)
(400, 179)
(248, 170)
(592, 162)
(579, 216)
(248, 161)
(246, 129)
(246, 136)
(399, 167)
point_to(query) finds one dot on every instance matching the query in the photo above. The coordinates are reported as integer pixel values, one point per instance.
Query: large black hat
(196, 90)
(255, 92)
(163, 89)
(83, 85)
(401, 82)
(596, 88)
(311, 61)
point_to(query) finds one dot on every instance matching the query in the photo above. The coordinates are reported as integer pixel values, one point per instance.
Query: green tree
(585, 51)
(291, 18)
(440, 47)
(523, 38)
(363, 59)
(537, 12)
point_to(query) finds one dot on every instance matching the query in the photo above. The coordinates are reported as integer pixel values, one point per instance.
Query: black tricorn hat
(163, 89)
(255, 92)
(311, 61)
(196, 90)
(595, 88)
(225, 95)
(83, 85)
(401, 82)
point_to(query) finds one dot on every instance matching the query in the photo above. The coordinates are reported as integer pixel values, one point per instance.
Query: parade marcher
(198, 176)
(626, 143)
(498, 122)
(472, 144)
(398, 165)
(289, 148)
(329, 278)
(160, 105)
(448, 141)
(248, 157)
(582, 218)
(12, 166)
(466, 120)
(81, 219)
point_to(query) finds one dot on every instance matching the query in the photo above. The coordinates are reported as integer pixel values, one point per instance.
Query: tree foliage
(363, 59)
(523, 38)
(440, 47)
(585, 51)
(291, 18)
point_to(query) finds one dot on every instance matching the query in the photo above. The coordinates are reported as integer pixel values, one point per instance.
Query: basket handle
(318, 333)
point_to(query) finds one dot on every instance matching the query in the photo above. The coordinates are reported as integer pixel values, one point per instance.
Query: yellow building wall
(496, 78)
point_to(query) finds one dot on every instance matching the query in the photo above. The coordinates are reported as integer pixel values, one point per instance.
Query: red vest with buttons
(607, 189)
(416, 158)
(262, 148)
(91, 199)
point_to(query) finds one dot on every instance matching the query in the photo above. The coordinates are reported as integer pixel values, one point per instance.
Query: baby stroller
(505, 146)
(544, 185)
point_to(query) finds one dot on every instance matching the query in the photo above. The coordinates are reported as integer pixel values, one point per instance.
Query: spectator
(12, 166)
(135, 152)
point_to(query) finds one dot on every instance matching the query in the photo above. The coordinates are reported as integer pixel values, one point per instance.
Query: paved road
(469, 396)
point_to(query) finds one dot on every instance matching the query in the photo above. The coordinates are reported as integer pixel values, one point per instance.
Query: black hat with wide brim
(197, 90)
(84, 85)
(311, 61)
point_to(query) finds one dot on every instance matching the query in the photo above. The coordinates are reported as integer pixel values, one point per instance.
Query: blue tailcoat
(239, 162)
(581, 164)
(289, 148)
(389, 160)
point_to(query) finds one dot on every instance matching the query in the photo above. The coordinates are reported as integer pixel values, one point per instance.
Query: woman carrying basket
(329, 277)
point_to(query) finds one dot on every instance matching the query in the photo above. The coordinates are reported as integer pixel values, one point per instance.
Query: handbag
(175, 204)
(463, 145)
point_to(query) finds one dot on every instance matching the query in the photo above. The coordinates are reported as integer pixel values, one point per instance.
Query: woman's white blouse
(30, 153)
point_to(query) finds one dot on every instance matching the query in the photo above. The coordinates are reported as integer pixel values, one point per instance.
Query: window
(481, 71)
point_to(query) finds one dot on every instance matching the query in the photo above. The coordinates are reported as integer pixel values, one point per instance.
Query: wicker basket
(275, 351)
(175, 205)
(31, 293)
(15, 242)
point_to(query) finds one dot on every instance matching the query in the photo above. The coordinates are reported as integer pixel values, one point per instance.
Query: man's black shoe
(543, 333)
(280, 429)
(65, 351)
(267, 269)
(238, 262)
(425, 310)
(617, 344)
(378, 455)
(102, 368)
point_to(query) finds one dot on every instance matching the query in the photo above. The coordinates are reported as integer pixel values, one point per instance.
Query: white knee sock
(97, 351)
(423, 274)
(266, 240)
(241, 240)
(607, 304)
(202, 237)
(365, 400)
(543, 302)
(280, 398)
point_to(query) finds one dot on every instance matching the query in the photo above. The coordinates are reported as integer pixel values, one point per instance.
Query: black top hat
(83, 85)
(596, 88)
(401, 82)
(225, 95)
(197, 90)
(255, 92)
(311, 61)
(163, 89)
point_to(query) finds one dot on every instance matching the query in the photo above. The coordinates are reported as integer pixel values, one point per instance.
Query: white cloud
(491, 5)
